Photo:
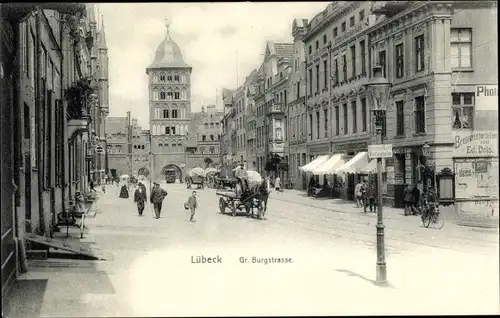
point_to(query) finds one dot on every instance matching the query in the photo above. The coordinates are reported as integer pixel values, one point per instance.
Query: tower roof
(168, 54)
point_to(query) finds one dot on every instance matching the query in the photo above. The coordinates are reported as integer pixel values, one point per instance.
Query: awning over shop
(330, 165)
(354, 165)
(371, 167)
(313, 164)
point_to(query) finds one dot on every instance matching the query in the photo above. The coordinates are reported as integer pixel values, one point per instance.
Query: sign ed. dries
(475, 143)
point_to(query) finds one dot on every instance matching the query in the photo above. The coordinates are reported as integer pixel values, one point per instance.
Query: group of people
(366, 195)
(156, 198)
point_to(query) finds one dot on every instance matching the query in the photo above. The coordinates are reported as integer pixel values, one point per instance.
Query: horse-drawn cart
(236, 200)
(196, 176)
(229, 200)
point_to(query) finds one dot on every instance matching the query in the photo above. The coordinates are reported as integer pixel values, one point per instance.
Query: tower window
(169, 78)
(162, 78)
(162, 95)
(174, 113)
(176, 78)
(177, 95)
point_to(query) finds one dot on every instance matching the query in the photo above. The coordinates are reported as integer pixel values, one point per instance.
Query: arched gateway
(171, 173)
(143, 172)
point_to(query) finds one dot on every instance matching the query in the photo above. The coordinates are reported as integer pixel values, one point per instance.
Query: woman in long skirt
(140, 197)
(124, 192)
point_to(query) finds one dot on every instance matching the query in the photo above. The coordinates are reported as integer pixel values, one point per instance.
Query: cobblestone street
(332, 247)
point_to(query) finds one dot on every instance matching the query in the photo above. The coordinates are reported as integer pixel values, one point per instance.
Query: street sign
(380, 151)
(99, 149)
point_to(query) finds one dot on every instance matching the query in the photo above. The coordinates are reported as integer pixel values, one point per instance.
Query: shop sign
(475, 144)
(476, 178)
(380, 151)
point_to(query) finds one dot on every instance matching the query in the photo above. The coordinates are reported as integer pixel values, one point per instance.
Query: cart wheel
(222, 205)
(82, 226)
(233, 209)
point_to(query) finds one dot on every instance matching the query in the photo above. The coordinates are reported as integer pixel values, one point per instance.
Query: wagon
(229, 200)
(195, 176)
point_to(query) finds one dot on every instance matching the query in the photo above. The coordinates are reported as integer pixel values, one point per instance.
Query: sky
(223, 42)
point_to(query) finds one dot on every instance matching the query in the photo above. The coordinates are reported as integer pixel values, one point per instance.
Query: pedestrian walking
(124, 192)
(92, 186)
(157, 196)
(371, 197)
(408, 199)
(359, 191)
(192, 204)
(416, 200)
(277, 184)
(140, 198)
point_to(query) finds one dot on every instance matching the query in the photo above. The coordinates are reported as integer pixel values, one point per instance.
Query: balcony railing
(276, 108)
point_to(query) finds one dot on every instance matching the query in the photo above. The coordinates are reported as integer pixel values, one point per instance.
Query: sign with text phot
(476, 178)
(486, 108)
(475, 143)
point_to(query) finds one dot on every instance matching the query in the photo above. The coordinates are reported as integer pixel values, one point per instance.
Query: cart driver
(241, 175)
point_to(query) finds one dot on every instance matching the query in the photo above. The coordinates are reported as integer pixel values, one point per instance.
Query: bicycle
(431, 215)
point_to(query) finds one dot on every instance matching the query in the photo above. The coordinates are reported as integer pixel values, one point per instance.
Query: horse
(259, 191)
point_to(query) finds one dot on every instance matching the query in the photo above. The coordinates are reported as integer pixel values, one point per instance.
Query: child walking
(193, 205)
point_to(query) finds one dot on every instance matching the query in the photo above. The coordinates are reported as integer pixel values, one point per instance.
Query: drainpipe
(38, 105)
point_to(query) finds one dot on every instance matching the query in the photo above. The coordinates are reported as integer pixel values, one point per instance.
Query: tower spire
(167, 25)
(102, 35)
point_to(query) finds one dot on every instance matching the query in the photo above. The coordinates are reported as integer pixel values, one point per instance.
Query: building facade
(297, 133)
(169, 108)
(228, 128)
(204, 141)
(128, 147)
(50, 96)
(338, 117)
(437, 56)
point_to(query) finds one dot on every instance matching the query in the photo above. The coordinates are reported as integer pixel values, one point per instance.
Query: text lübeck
(206, 260)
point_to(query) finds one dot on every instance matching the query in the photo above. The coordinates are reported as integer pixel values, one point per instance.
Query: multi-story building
(251, 127)
(169, 87)
(437, 55)
(228, 127)
(336, 70)
(297, 132)
(271, 104)
(240, 118)
(49, 99)
(206, 135)
(128, 147)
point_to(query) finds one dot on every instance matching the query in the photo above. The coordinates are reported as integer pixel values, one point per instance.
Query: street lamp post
(378, 90)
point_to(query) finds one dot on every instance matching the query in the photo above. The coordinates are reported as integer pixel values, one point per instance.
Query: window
(400, 118)
(162, 78)
(165, 113)
(336, 71)
(317, 125)
(310, 81)
(363, 56)
(461, 48)
(167, 130)
(169, 78)
(212, 137)
(135, 146)
(337, 120)
(363, 114)
(353, 60)
(381, 62)
(162, 95)
(317, 45)
(203, 137)
(317, 79)
(298, 89)
(361, 15)
(399, 61)
(176, 78)
(325, 111)
(335, 32)
(344, 67)
(172, 129)
(175, 113)
(170, 95)
(325, 38)
(352, 21)
(310, 125)
(59, 151)
(354, 117)
(177, 95)
(463, 110)
(346, 124)
(325, 74)
(310, 49)
(420, 114)
(419, 53)
(342, 27)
